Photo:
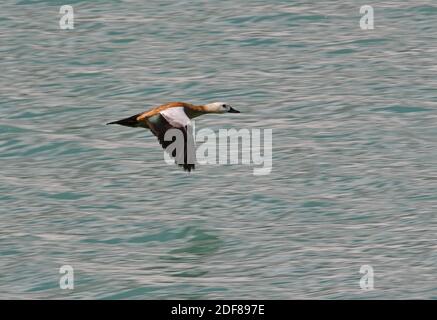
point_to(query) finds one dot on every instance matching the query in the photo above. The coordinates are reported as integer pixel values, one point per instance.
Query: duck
(174, 115)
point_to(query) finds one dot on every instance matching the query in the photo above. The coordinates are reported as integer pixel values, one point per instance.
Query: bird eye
(224, 106)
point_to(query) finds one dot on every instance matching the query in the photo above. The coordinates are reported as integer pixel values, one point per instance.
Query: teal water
(354, 178)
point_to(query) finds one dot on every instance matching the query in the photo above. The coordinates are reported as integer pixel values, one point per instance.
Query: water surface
(354, 177)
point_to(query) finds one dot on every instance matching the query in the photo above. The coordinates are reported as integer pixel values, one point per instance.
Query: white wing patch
(176, 117)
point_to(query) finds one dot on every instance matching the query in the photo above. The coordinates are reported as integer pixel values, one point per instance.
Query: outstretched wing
(174, 118)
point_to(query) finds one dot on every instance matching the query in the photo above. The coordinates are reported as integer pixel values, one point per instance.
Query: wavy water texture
(354, 178)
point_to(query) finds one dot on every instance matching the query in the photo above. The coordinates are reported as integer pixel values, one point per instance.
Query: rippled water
(354, 176)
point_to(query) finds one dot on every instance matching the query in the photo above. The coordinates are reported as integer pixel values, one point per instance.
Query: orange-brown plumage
(160, 108)
(173, 115)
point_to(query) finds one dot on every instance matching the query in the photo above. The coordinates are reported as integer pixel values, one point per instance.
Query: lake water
(354, 178)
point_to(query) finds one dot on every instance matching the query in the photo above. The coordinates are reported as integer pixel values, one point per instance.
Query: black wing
(160, 127)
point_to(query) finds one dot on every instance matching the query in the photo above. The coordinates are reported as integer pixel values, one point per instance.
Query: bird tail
(128, 122)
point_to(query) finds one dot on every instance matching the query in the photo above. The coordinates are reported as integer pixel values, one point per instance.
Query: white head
(219, 107)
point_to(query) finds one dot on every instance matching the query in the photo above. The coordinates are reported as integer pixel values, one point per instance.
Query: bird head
(219, 107)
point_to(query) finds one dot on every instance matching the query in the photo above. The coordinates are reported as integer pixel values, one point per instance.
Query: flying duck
(174, 115)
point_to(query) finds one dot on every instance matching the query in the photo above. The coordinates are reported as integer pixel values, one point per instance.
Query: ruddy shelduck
(174, 115)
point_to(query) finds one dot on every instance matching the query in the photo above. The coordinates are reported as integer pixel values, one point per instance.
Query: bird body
(170, 116)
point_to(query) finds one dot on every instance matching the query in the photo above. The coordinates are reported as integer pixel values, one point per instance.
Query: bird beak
(232, 110)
